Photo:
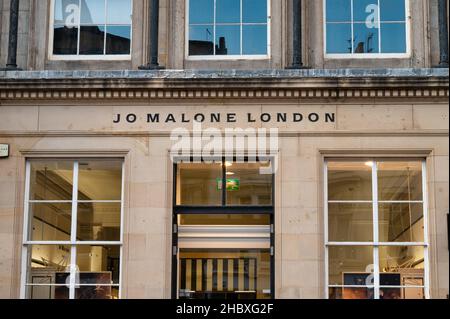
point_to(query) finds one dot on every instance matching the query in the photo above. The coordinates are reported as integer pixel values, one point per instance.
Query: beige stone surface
(375, 117)
(75, 118)
(18, 118)
(431, 117)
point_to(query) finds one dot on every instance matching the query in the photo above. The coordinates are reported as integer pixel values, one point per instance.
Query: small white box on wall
(4, 150)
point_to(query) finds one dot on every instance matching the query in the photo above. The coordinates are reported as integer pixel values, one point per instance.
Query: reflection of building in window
(365, 47)
(221, 49)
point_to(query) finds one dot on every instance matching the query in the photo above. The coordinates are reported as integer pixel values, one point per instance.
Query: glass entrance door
(223, 231)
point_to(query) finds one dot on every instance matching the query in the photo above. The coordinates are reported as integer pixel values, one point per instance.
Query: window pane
(97, 292)
(350, 265)
(65, 40)
(224, 274)
(400, 181)
(47, 263)
(198, 184)
(254, 11)
(201, 11)
(51, 180)
(51, 221)
(247, 185)
(254, 39)
(118, 39)
(118, 12)
(93, 12)
(92, 39)
(366, 39)
(224, 220)
(66, 12)
(365, 10)
(401, 222)
(351, 293)
(228, 40)
(338, 11)
(98, 221)
(228, 11)
(402, 293)
(401, 266)
(47, 292)
(393, 36)
(201, 40)
(98, 264)
(349, 181)
(350, 222)
(392, 10)
(339, 38)
(100, 180)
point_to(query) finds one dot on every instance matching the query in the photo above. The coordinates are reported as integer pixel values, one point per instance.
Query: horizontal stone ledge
(226, 74)
(149, 133)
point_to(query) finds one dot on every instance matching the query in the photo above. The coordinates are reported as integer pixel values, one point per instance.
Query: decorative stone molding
(216, 85)
(48, 94)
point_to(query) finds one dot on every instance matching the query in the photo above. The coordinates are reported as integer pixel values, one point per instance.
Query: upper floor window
(362, 28)
(91, 28)
(228, 28)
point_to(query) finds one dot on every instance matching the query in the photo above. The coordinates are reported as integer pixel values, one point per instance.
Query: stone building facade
(355, 206)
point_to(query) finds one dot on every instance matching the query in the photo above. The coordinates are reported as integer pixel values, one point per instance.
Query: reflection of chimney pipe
(222, 44)
(11, 63)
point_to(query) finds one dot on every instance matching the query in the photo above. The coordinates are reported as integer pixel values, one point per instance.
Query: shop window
(376, 243)
(366, 28)
(223, 230)
(73, 236)
(91, 29)
(228, 28)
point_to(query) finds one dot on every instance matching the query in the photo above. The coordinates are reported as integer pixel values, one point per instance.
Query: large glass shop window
(371, 27)
(92, 27)
(223, 222)
(376, 244)
(228, 27)
(73, 229)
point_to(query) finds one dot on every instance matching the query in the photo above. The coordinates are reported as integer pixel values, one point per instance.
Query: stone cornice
(232, 84)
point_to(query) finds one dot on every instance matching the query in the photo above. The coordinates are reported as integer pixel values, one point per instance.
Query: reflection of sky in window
(360, 7)
(254, 11)
(338, 11)
(254, 39)
(338, 38)
(93, 12)
(232, 38)
(392, 10)
(201, 33)
(393, 37)
(60, 10)
(201, 11)
(366, 39)
(228, 11)
(119, 11)
(120, 31)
